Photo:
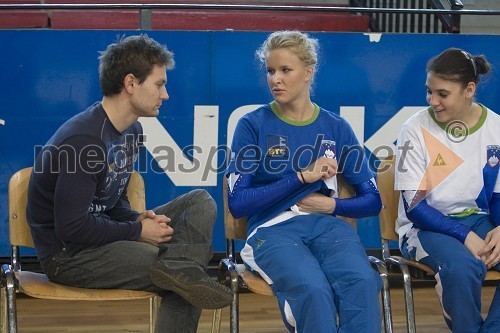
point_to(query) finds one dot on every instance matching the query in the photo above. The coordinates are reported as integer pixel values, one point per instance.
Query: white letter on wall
(205, 137)
(382, 141)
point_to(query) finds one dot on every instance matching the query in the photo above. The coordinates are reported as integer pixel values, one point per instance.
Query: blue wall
(375, 81)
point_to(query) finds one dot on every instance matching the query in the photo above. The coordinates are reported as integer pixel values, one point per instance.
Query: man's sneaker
(190, 281)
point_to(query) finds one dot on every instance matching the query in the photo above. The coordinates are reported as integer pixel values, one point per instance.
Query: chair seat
(416, 264)
(254, 282)
(39, 286)
(490, 275)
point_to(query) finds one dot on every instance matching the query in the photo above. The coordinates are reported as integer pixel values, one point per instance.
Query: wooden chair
(240, 277)
(387, 218)
(37, 285)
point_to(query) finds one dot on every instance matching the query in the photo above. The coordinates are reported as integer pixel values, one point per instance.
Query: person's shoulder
(327, 113)
(420, 117)
(86, 120)
(85, 123)
(258, 115)
(263, 110)
(492, 114)
(329, 117)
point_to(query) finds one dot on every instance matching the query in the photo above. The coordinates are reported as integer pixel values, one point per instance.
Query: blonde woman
(286, 156)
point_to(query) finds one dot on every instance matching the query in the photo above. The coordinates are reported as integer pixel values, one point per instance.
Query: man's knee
(200, 194)
(202, 197)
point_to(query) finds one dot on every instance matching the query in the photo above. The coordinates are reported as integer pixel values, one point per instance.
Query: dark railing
(413, 22)
(386, 15)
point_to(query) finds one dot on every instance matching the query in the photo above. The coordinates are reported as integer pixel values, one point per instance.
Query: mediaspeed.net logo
(443, 161)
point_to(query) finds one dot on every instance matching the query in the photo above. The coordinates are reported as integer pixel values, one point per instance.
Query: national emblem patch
(492, 155)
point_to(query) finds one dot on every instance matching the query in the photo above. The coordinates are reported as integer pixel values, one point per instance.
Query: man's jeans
(126, 264)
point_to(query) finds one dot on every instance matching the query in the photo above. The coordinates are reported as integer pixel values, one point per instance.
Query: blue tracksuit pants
(459, 276)
(320, 274)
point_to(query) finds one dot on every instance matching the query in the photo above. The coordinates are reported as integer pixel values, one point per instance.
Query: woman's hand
(476, 246)
(317, 203)
(492, 248)
(323, 168)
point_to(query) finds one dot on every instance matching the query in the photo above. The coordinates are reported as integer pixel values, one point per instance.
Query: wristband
(302, 176)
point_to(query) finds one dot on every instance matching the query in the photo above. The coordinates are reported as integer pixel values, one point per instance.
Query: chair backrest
(19, 231)
(237, 228)
(390, 198)
(136, 192)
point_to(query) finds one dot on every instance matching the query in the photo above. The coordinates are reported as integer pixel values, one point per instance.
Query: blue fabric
(490, 175)
(492, 322)
(272, 149)
(331, 274)
(366, 203)
(428, 218)
(335, 276)
(245, 200)
(457, 267)
(495, 208)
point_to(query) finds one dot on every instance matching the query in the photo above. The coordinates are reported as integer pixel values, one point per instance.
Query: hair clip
(469, 57)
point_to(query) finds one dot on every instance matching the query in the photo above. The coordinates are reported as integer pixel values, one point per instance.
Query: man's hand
(492, 248)
(323, 168)
(146, 214)
(155, 228)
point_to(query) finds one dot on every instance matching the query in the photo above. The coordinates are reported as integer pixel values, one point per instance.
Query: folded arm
(244, 199)
(365, 203)
(426, 217)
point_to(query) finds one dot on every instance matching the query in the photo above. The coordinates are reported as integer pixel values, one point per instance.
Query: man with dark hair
(85, 233)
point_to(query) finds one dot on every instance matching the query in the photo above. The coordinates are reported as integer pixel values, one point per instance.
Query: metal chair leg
(385, 294)
(3, 307)
(234, 323)
(10, 297)
(408, 291)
